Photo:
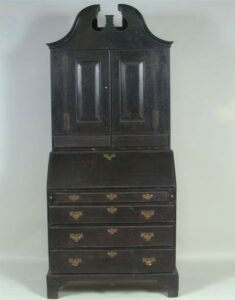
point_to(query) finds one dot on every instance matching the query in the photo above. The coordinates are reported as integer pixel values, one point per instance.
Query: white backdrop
(203, 117)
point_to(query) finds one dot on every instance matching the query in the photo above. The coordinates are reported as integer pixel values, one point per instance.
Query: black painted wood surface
(147, 196)
(111, 186)
(126, 169)
(112, 261)
(111, 236)
(111, 214)
(110, 86)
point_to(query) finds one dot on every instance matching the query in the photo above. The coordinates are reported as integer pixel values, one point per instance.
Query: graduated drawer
(111, 214)
(111, 197)
(112, 261)
(111, 236)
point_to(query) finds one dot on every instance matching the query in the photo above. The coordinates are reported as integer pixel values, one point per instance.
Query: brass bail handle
(76, 215)
(75, 262)
(149, 261)
(109, 156)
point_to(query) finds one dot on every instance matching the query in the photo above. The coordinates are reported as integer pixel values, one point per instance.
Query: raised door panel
(82, 95)
(139, 87)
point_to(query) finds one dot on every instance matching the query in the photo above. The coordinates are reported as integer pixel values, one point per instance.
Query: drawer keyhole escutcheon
(147, 236)
(112, 253)
(109, 156)
(147, 214)
(112, 210)
(75, 214)
(111, 196)
(73, 197)
(148, 196)
(112, 231)
(75, 262)
(149, 261)
(76, 237)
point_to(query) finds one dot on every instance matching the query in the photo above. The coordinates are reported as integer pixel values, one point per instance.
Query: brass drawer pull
(147, 214)
(112, 210)
(111, 196)
(147, 236)
(73, 197)
(147, 196)
(112, 253)
(75, 214)
(109, 156)
(148, 261)
(76, 237)
(75, 262)
(112, 230)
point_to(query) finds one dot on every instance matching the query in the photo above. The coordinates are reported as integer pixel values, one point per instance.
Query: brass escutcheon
(76, 237)
(147, 196)
(112, 253)
(112, 209)
(149, 261)
(147, 214)
(112, 230)
(109, 156)
(147, 236)
(75, 214)
(75, 262)
(111, 196)
(73, 197)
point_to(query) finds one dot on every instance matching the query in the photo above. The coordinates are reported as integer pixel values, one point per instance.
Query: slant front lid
(106, 169)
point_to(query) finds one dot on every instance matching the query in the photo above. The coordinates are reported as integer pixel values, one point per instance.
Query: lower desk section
(112, 261)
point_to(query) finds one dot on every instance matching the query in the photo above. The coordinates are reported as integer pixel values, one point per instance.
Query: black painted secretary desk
(111, 179)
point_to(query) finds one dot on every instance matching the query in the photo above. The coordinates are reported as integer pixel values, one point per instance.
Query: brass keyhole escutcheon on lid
(73, 197)
(147, 196)
(148, 261)
(112, 253)
(147, 236)
(76, 237)
(147, 214)
(112, 230)
(75, 214)
(112, 210)
(111, 196)
(75, 262)
(109, 156)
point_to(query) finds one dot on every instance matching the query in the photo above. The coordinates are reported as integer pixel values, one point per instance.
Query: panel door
(140, 98)
(81, 100)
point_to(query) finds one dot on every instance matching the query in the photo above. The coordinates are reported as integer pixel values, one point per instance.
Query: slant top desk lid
(131, 169)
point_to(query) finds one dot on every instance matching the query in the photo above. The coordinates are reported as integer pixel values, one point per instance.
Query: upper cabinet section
(110, 86)
(85, 34)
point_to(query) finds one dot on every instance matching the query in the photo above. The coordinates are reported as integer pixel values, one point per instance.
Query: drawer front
(110, 197)
(112, 261)
(111, 236)
(111, 214)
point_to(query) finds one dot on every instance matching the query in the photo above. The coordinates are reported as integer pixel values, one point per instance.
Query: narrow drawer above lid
(120, 169)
